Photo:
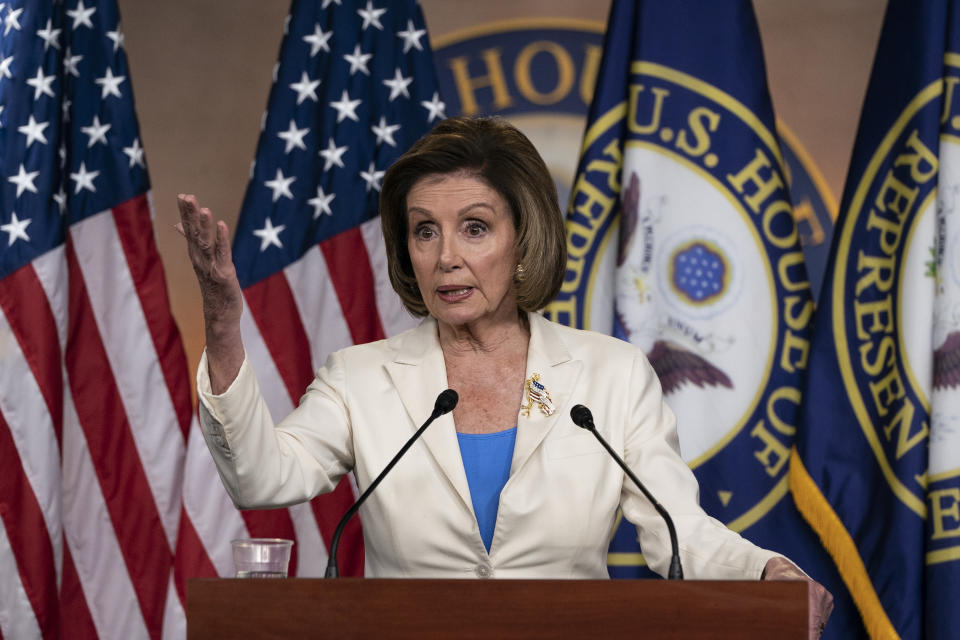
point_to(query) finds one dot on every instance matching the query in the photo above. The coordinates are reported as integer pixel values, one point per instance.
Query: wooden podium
(378, 608)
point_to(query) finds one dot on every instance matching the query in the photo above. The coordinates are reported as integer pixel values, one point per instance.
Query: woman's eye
(476, 229)
(423, 232)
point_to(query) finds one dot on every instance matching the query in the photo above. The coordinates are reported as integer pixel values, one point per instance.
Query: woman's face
(461, 241)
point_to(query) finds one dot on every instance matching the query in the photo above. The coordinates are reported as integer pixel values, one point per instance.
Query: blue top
(486, 459)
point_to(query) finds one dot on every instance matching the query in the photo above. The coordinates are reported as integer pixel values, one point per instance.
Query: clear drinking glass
(261, 557)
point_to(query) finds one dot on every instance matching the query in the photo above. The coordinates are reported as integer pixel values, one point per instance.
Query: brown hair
(499, 154)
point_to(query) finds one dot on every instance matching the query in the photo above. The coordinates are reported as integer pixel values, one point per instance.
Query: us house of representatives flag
(354, 87)
(681, 240)
(878, 470)
(94, 390)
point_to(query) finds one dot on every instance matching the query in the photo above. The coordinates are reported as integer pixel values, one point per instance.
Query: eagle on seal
(946, 363)
(673, 364)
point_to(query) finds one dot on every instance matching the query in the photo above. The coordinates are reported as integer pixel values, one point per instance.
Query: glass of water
(261, 557)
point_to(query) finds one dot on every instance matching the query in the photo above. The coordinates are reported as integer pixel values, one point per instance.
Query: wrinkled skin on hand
(819, 599)
(208, 246)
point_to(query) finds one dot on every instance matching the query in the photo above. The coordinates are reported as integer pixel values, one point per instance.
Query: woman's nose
(450, 257)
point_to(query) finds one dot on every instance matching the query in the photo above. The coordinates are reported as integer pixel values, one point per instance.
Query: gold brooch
(538, 395)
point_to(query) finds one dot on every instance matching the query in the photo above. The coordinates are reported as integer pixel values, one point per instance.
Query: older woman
(507, 486)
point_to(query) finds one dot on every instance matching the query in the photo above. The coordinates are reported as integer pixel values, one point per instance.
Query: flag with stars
(94, 389)
(354, 88)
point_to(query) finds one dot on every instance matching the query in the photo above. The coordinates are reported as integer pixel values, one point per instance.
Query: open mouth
(453, 293)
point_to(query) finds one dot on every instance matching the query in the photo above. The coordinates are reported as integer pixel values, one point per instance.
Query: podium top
(357, 607)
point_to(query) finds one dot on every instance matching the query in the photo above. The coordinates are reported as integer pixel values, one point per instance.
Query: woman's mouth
(454, 293)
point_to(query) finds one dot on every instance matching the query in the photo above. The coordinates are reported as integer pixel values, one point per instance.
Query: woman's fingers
(819, 600)
(821, 605)
(197, 224)
(204, 237)
(222, 253)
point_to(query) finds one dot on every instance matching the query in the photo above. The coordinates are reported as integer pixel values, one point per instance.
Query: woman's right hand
(208, 245)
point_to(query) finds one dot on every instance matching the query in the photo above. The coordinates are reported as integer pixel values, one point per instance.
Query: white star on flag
(358, 60)
(280, 186)
(70, 63)
(327, 3)
(5, 66)
(12, 21)
(117, 37)
(34, 131)
(435, 107)
(84, 179)
(269, 235)
(411, 37)
(306, 88)
(371, 16)
(372, 177)
(398, 86)
(346, 108)
(135, 153)
(41, 84)
(96, 131)
(318, 40)
(16, 228)
(293, 137)
(110, 84)
(50, 36)
(333, 155)
(24, 180)
(81, 16)
(60, 197)
(384, 131)
(321, 203)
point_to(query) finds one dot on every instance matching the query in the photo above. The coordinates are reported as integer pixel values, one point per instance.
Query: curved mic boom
(583, 418)
(445, 403)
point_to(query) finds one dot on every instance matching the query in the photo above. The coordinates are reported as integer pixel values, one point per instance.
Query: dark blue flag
(681, 240)
(878, 472)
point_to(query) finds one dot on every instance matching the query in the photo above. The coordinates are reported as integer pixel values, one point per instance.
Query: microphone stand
(445, 403)
(583, 418)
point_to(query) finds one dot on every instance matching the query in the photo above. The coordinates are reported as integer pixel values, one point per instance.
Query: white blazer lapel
(547, 356)
(419, 375)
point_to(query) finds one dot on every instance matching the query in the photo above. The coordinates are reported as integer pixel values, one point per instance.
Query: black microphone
(582, 417)
(445, 403)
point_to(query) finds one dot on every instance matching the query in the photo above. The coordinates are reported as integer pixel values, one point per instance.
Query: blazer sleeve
(265, 465)
(708, 550)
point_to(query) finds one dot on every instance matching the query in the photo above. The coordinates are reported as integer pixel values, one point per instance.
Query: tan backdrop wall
(202, 69)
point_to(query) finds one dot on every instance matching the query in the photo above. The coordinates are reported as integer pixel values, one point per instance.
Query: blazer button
(483, 571)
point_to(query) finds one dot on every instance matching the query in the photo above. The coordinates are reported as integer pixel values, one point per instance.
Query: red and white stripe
(336, 295)
(94, 408)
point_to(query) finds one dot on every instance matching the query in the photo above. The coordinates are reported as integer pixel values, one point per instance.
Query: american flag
(354, 88)
(94, 391)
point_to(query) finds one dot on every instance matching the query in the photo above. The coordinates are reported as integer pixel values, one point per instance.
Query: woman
(507, 486)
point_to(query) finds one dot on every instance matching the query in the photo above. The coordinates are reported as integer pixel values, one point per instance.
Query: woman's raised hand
(208, 245)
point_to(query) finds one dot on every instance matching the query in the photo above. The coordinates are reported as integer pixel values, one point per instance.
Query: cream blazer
(557, 510)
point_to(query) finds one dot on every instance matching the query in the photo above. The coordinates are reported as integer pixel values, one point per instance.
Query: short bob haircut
(497, 153)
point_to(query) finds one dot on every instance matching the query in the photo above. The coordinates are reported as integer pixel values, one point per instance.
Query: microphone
(582, 417)
(445, 403)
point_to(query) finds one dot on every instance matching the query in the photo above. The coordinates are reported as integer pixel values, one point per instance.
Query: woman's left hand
(820, 600)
